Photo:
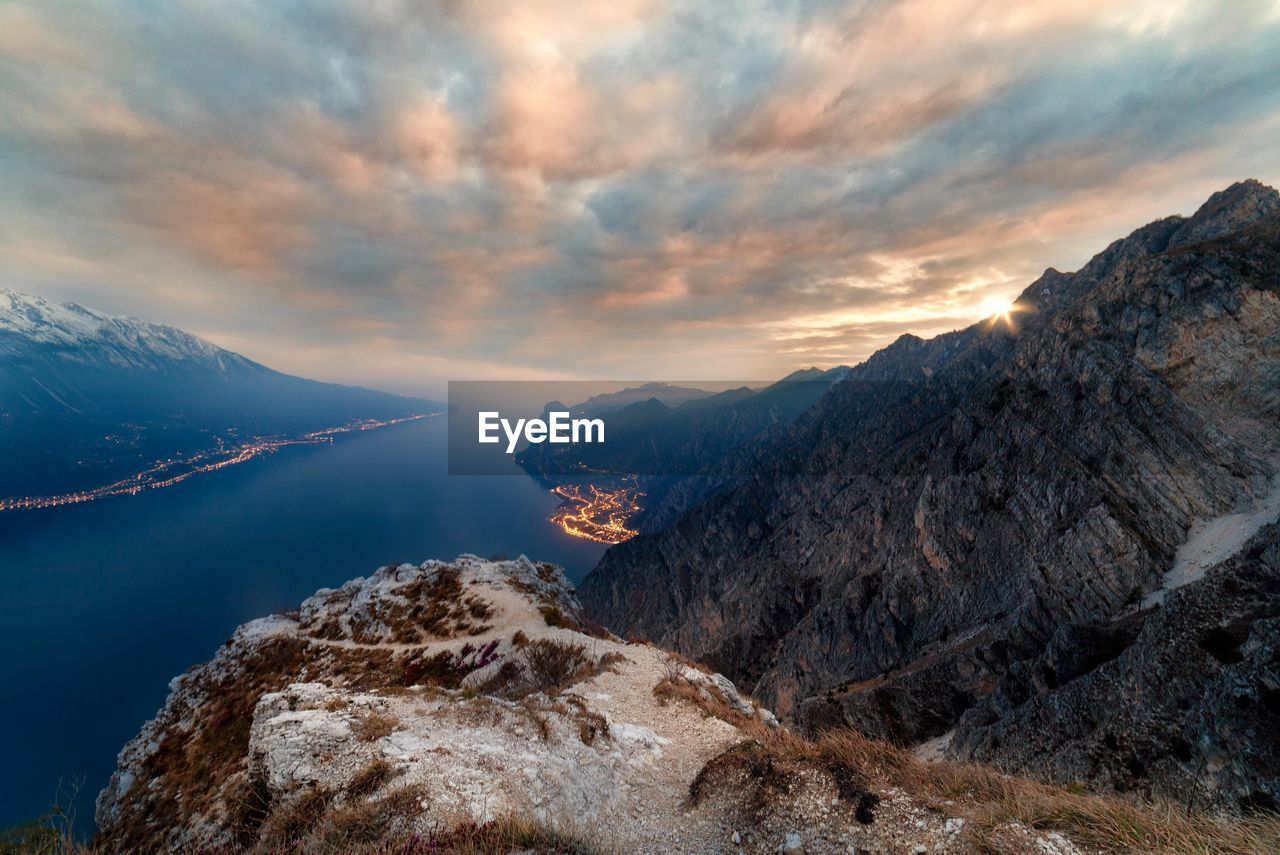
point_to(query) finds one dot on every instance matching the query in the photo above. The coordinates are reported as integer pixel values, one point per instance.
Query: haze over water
(102, 604)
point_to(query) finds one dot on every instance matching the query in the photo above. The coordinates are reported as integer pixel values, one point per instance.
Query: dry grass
(360, 829)
(547, 666)
(505, 835)
(287, 824)
(195, 770)
(370, 829)
(591, 725)
(374, 726)
(553, 665)
(990, 800)
(370, 778)
(557, 618)
(433, 605)
(707, 698)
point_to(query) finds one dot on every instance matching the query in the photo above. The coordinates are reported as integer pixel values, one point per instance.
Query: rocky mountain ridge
(82, 333)
(463, 706)
(956, 544)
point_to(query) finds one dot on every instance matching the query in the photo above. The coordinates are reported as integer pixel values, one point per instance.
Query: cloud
(397, 193)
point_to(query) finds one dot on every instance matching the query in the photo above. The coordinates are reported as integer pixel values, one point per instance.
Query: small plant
(672, 669)
(553, 665)
(375, 726)
(507, 834)
(591, 725)
(289, 823)
(595, 630)
(555, 617)
(51, 834)
(369, 779)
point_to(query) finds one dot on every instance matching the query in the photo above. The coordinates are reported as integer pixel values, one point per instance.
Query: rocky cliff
(464, 706)
(1042, 540)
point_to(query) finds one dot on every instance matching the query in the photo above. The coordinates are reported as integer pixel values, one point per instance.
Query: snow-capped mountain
(86, 396)
(82, 334)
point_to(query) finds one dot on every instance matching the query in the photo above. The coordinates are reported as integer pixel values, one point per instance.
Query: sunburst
(1001, 310)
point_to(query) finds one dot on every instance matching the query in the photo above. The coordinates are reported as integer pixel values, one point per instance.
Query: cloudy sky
(400, 193)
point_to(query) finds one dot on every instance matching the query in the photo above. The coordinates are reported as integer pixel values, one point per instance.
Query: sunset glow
(395, 194)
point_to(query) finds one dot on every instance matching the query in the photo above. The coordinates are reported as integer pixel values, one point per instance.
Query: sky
(398, 194)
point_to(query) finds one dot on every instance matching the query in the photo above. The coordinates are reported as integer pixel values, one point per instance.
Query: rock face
(443, 688)
(423, 696)
(426, 702)
(1186, 694)
(976, 533)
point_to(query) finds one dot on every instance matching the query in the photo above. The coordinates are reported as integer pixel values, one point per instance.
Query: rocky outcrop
(457, 695)
(962, 513)
(1187, 694)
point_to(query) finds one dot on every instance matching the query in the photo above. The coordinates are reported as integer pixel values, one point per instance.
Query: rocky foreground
(464, 706)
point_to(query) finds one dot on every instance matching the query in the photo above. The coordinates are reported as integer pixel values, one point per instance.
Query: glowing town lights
(209, 461)
(593, 513)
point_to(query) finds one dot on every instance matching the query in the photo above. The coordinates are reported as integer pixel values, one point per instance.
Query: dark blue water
(101, 604)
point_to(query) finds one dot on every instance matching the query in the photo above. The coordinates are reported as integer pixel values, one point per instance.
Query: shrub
(548, 666)
(289, 823)
(444, 669)
(369, 779)
(555, 617)
(507, 681)
(375, 726)
(554, 665)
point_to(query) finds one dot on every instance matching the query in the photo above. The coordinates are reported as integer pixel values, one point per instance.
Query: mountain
(683, 451)
(1047, 542)
(87, 398)
(466, 707)
(669, 394)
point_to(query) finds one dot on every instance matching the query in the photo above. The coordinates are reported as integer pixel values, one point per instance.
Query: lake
(102, 603)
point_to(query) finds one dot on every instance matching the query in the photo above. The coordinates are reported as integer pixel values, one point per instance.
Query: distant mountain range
(669, 394)
(679, 440)
(86, 398)
(1047, 542)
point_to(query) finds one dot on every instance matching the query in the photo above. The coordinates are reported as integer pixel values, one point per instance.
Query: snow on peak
(123, 340)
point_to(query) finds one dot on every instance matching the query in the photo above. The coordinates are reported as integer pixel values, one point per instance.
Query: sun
(999, 310)
(996, 306)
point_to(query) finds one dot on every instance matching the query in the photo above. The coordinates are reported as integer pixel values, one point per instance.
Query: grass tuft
(989, 800)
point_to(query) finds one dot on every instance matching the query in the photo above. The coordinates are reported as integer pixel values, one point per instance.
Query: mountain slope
(86, 398)
(463, 707)
(912, 556)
